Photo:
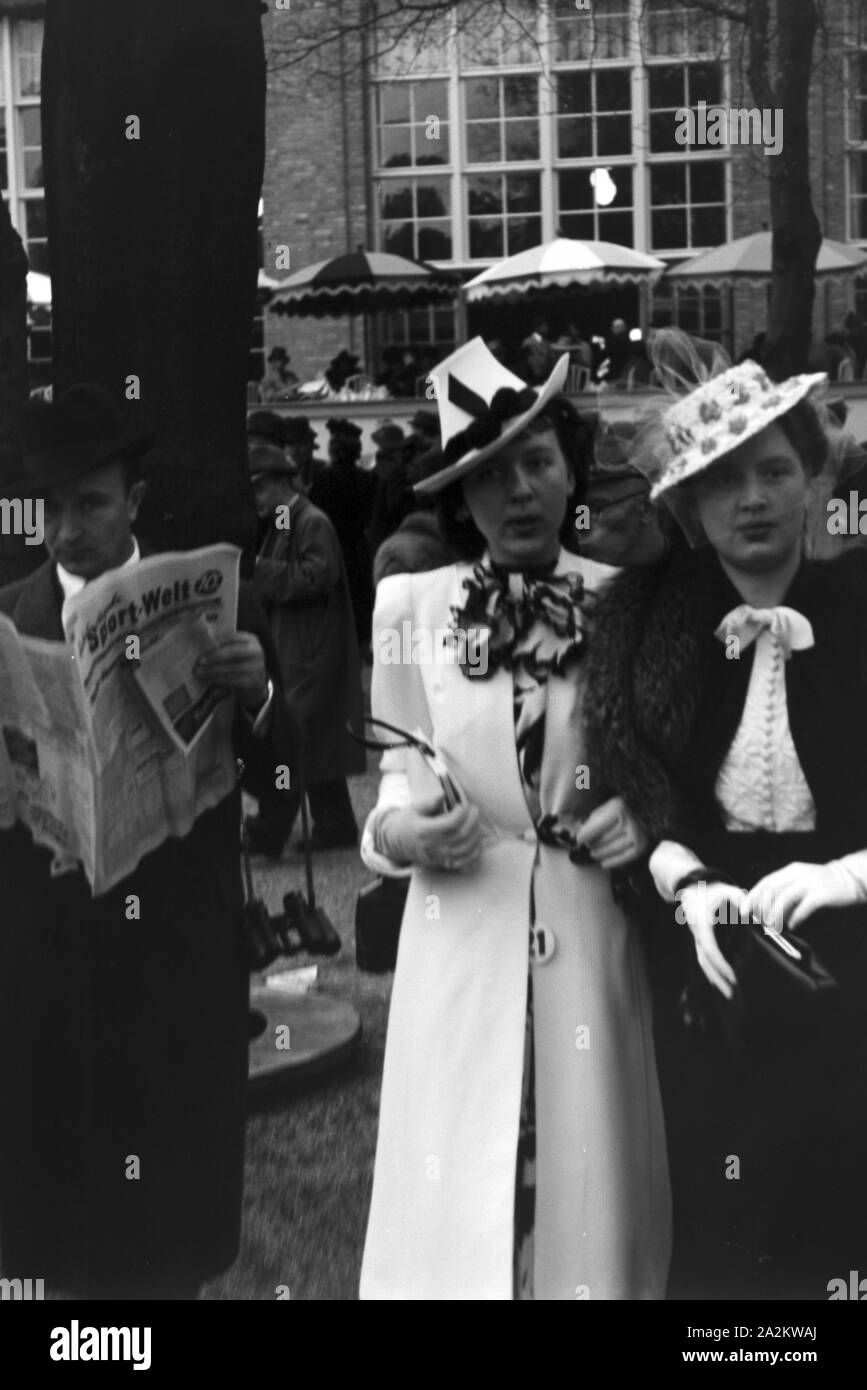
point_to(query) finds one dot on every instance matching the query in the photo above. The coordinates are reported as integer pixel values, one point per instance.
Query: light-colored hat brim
(512, 428)
(783, 396)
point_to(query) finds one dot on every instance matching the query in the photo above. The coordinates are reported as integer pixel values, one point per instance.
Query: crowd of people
(632, 950)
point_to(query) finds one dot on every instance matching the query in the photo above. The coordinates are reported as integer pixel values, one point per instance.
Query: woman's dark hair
(576, 444)
(803, 429)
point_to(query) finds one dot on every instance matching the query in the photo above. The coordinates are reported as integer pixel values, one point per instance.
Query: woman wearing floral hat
(727, 706)
(521, 1151)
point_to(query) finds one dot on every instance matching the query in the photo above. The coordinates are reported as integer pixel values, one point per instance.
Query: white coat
(442, 1211)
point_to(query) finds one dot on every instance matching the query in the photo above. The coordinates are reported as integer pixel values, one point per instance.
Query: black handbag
(378, 915)
(782, 984)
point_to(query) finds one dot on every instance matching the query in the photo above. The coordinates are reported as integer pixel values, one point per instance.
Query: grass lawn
(310, 1155)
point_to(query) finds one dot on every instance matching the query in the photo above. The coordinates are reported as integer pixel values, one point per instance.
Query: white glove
(790, 895)
(703, 905)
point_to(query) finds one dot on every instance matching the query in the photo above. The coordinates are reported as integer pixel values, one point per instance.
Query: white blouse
(761, 785)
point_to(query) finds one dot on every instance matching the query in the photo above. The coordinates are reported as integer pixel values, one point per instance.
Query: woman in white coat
(521, 1150)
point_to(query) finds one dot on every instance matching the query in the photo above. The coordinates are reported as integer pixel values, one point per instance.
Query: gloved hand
(790, 895)
(703, 905)
(425, 834)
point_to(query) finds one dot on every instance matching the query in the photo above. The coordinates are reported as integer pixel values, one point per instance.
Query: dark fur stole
(648, 668)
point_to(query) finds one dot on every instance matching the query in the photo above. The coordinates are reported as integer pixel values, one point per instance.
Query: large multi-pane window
(697, 311)
(582, 217)
(575, 132)
(504, 214)
(857, 133)
(415, 218)
(674, 29)
(413, 124)
(21, 176)
(21, 164)
(501, 122)
(594, 34)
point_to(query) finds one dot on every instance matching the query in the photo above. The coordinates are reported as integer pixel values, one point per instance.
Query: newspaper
(109, 743)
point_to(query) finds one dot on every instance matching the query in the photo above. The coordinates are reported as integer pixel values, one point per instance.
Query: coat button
(542, 944)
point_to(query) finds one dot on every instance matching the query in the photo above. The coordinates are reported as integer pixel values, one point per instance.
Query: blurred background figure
(300, 442)
(341, 368)
(625, 527)
(537, 359)
(346, 494)
(617, 351)
(279, 383)
(572, 340)
(391, 503)
(301, 582)
(856, 335)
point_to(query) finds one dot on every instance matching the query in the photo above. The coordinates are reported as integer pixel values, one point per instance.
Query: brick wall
(314, 134)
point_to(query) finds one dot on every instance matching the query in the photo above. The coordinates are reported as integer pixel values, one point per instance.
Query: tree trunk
(154, 145)
(795, 228)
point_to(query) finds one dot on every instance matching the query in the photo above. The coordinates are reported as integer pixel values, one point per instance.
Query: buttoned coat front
(442, 1212)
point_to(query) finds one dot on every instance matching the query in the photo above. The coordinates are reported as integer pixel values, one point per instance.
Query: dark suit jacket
(122, 1038)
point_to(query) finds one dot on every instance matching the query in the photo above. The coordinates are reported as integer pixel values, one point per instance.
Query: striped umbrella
(748, 261)
(560, 264)
(361, 282)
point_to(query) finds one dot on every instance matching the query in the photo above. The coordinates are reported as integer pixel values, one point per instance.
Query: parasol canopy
(748, 260)
(361, 282)
(562, 263)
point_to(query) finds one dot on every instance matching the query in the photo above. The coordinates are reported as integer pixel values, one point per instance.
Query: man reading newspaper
(123, 1013)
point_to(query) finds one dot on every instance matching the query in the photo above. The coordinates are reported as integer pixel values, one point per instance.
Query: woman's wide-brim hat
(65, 438)
(482, 406)
(720, 415)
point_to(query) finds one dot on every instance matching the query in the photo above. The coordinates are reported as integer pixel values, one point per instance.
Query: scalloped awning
(361, 282)
(563, 262)
(747, 261)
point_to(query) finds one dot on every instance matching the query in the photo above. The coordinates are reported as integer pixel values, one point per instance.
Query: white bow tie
(790, 628)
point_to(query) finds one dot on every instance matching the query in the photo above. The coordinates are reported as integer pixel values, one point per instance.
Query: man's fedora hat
(278, 354)
(388, 436)
(338, 425)
(266, 424)
(65, 438)
(482, 406)
(425, 422)
(268, 459)
(296, 429)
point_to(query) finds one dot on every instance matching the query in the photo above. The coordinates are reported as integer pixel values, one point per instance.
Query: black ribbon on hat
(489, 420)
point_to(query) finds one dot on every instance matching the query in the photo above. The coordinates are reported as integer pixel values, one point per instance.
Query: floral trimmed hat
(718, 416)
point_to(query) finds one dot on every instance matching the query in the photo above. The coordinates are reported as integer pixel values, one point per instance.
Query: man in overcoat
(300, 580)
(346, 494)
(123, 1043)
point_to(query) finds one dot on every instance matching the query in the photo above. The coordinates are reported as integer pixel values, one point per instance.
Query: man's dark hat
(278, 354)
(425, 422)
(266, 424)
(268, 459)
(297, 428)
(388, 436)
(338, 425)
(81, 430)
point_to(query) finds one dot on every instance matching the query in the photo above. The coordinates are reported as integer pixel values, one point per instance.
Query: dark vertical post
(154, 144)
